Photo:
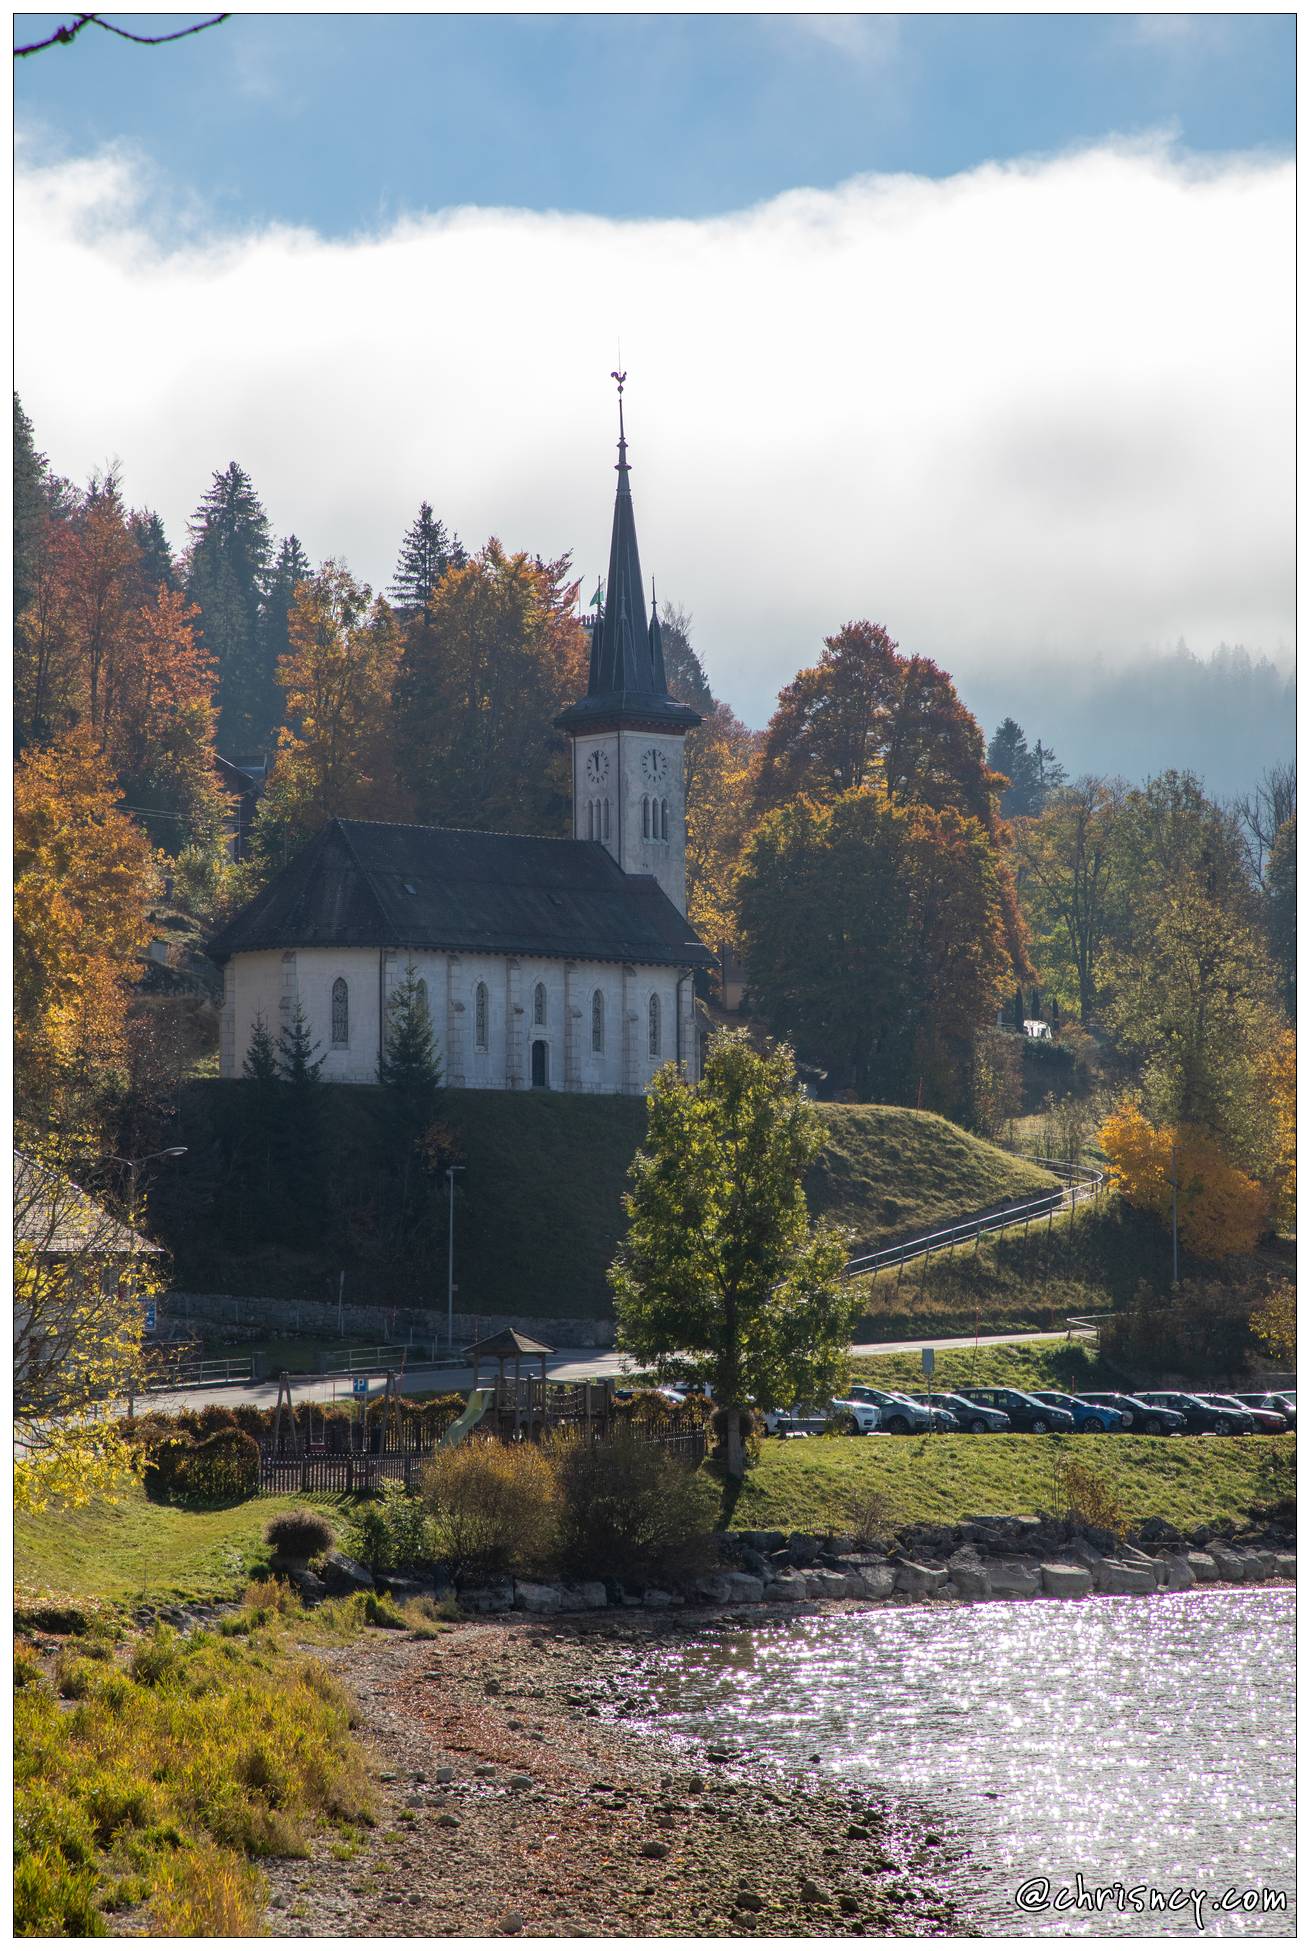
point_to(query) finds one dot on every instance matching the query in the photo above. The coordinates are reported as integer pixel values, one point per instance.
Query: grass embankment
(151, 1775)
(137, 1552)
(1188, 1481)
(1089, 1265)
(539, 1212)
(1055, 1364)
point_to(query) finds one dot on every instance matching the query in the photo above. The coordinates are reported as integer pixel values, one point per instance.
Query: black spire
(627, 678)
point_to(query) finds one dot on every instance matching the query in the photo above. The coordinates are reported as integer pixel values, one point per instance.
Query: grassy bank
(1089, 1265)
(151, 1776)
(1055, 1364)
(540, 1202)
(1189, 1481)
(136, 1552)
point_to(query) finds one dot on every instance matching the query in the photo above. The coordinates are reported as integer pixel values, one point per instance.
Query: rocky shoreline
(982, 1558)
(518, 1798)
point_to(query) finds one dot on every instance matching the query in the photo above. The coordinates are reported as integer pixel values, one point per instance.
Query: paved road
(568, 1365)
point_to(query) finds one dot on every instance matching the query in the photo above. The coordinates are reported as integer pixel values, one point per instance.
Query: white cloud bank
(1028, 415)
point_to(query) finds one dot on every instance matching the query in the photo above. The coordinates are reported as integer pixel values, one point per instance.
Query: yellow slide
(480, 1400)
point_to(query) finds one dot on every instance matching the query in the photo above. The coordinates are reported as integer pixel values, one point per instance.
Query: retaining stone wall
(248, 1317)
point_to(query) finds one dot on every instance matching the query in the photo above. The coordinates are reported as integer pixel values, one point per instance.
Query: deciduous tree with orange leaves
(720, 763)
(1221, 1209)
(499, 654)
(84, 875)
(334, 756)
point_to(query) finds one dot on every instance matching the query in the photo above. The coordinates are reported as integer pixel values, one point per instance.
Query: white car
(864, 1414)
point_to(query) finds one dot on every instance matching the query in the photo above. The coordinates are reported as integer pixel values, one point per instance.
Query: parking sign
(151, 1317)
(359, 1385)
(929, 1357)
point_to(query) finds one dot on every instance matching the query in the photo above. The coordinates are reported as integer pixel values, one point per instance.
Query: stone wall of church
(500, 1022)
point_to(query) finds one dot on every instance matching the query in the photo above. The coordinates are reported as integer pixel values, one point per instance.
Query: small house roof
(508, 1342)
(54, 1218)
(367, 884)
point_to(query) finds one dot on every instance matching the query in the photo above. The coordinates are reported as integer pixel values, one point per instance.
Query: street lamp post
(451, 1170)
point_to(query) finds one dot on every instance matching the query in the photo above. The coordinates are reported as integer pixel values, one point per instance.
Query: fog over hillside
(1226, 716)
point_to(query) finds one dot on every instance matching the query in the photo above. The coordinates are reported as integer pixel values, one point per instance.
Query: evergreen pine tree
(261, 1064)
(227, 574)
(30, 507)
(426, 553)
(683, 669)
(409, 1070)
(292, 566)
(302, 1163)
(1008, 753)
(263, 1133)
(157, 564)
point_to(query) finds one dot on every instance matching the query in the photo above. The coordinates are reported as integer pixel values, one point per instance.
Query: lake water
(1139, 1742)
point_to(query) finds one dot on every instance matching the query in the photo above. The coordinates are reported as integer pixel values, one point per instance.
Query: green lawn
(890, 1173)
(1055, 1364)
(810, 1486)
(136, 1552)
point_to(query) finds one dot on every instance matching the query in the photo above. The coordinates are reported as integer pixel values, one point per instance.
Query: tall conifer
(227, 575)
(427, 552)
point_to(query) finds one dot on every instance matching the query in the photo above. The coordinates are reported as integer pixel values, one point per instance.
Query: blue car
(1089, 1418)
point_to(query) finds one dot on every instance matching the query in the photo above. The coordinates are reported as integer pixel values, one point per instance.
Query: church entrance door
(540, 1066)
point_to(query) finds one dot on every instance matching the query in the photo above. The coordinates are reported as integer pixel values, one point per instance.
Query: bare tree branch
(63, 35)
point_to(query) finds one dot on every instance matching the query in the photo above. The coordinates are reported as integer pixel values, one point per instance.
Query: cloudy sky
(980, 327)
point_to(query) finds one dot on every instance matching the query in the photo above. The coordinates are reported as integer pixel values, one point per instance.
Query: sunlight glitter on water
(1140, 1741)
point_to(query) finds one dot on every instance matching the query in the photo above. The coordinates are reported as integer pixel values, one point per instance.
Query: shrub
(222, 1468)
(393, 1532)
(872, 1517)
(297, 1536)
(495, 1505)
(1085, 1499)
(630, 1510)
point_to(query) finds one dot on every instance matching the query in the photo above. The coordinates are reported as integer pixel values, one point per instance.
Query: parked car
(1268, 1422)
(1199, 1418)
(969, 1416)
(864, 1415)
(1025, 1411)
(1143, 1418)
(1089, 1418)
(1282, 1401)
(900, 1414)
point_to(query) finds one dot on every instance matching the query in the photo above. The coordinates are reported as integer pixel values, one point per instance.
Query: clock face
(655, 765)
(598, 768)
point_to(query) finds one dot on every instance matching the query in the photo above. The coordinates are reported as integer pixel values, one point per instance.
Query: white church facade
(548, 964)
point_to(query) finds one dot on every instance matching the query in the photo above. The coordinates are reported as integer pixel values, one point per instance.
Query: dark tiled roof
(362, 884)
(508, 1342)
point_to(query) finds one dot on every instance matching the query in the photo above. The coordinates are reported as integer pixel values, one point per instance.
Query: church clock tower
(628, 777)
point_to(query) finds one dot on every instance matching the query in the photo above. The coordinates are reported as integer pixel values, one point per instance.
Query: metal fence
(1083, 1184)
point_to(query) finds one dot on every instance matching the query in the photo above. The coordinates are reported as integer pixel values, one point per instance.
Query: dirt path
(516, 1800)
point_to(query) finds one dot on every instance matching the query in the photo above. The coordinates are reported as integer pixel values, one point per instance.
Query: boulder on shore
(1063, 1581)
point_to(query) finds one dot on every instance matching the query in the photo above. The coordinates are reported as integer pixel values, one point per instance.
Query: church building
(555, 964)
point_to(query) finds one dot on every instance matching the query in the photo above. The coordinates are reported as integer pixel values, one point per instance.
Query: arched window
(340, 1013)
(597, 1021)
(539, 1003)
(664, 819)
(591, 819)
(480, 1001)
(654, 1026)
(605, 809)
(421, 991)
(645, 817)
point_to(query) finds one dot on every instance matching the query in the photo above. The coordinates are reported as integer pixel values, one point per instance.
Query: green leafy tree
(682, 667)
(1068, 867)
(721, 1272)
(227, 574)
(874, 937)
(427, 552)
(263, 1133)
